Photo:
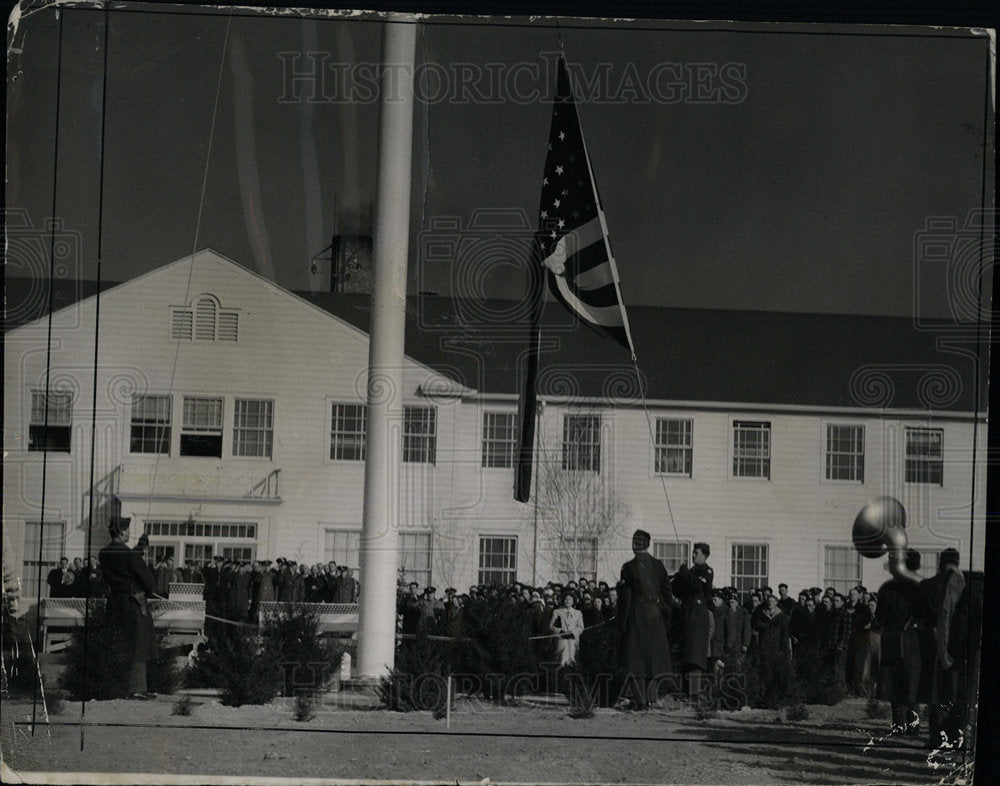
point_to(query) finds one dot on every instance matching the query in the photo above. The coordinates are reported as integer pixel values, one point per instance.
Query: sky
(777, 167)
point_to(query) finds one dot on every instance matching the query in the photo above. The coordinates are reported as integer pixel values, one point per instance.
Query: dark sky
(763, 167)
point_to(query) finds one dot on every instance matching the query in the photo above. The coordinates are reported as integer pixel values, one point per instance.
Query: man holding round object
(129, 579)
(644, 605)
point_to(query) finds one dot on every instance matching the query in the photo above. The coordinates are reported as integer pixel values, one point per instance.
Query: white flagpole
(390, 252)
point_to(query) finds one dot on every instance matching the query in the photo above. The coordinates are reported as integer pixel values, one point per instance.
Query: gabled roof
(699, 355)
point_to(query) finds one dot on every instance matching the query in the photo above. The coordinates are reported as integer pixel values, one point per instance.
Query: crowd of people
(886, 644)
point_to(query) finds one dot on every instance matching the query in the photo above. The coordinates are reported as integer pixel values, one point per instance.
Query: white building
(229, 420)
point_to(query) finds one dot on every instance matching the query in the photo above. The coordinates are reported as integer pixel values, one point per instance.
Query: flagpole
(390, 252)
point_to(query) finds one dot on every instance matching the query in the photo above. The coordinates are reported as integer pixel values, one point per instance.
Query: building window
(44, 546)
(497, 560)
(239, 553)
(751, 449)
(845, 453)
(205, 322)
(201, 431)
(150, 424)
(499, 439)
(161, 551)
(347, 433)
(673, 447)
(749, 566)
(419, 435)
(253, 427)
(199, 541)
(672, 554)
(415, 557)
(577, 559)
(925, 455)
(841, 568)
(343, 546)
(50, 431)
(581, 444)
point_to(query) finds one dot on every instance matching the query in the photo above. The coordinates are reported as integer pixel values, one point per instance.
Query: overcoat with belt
(644, 605)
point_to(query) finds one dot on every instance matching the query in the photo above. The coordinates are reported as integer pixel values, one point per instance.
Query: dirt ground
(535, 742)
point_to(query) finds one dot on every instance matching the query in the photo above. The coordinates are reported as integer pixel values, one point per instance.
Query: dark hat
(118, 523)
(217, 558)
(430, 590)
(450, 591)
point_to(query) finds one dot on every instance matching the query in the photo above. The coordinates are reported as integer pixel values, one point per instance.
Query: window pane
(499, 439)
(252, 432)
(347, 432)
(581, 444)
(419, 435)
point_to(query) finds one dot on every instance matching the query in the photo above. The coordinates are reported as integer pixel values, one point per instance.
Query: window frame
(360, 437)
(737, 579)
(742, 425)
(829, 580)
(923, 461)
(490, 444)
(859, 458)
(687, 451)
(193, 431)
(266, 432)
(60, 421)
(165, 439)
(419, 447)
(584, 456)
(353, 552)
(29, 556)
(564, 571)
(410, 574)
(687, 545)
(484, 570)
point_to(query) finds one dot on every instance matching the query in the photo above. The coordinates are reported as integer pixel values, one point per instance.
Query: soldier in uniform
(694, 587)
(644, 606)
(129, 580)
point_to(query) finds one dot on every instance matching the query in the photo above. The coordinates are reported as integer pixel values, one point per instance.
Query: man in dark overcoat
(644, 606)
(129, 580)
(694, 587)
(900, 661)
(939, 597)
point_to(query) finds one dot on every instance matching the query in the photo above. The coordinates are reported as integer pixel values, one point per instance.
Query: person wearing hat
(567, 621)
(694, 587)
(430, 608)
(737, 631)
(644, 606)
(133, 640)
(347, 586)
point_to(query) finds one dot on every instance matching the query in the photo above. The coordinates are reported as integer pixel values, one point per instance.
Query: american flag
(572, 246)
(573, 243)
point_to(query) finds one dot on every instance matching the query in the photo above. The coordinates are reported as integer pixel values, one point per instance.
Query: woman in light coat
(568, 622)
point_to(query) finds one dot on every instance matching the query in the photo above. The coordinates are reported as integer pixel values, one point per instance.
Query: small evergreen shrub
(244, 666)
(705, 708)
(183, 706)
(309, 662)
(303, 708)
(419, 679)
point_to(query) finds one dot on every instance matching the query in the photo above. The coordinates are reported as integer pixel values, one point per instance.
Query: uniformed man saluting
(129, 579)
(694, 587)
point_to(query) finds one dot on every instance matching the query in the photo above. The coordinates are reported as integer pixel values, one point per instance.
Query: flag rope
(652, 440)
